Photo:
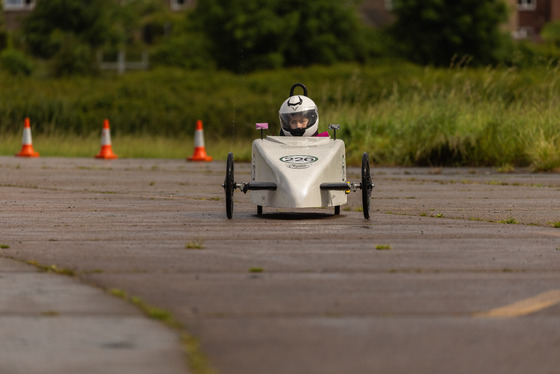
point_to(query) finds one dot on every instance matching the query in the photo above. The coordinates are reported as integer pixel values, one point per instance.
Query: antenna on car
(298, 85)
(334, 128)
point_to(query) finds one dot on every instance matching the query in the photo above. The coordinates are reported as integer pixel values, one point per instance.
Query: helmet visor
(299, 120)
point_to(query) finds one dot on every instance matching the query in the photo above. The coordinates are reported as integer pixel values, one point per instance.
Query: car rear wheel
(229, 185)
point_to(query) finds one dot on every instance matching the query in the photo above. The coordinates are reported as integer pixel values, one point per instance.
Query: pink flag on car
(262, 126)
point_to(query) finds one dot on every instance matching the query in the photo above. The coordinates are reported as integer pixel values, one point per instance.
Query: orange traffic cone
(106, 149)
(199, 149)
(27, 147)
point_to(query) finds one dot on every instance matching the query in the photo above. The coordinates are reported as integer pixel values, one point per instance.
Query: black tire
(337, 210)
(367, 185)
(259, 210)
(229, 185)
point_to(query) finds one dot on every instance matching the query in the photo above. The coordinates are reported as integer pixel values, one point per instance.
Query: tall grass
(400, 113)
(457, 117)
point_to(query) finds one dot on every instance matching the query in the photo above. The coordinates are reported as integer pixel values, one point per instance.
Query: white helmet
(302, 112)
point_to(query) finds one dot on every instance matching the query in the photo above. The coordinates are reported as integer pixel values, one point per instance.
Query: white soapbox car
(298, 172)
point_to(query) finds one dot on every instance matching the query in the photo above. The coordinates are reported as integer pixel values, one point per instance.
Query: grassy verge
(400, 113)
(125, 146)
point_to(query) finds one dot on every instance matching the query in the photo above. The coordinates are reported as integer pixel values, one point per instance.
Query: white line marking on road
(523, 307)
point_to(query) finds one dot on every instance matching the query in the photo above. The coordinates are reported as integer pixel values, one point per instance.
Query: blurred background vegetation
(442, 85)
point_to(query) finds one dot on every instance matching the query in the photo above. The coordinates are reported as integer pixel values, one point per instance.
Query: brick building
(527, 17)
(532, 15)
(15, 10)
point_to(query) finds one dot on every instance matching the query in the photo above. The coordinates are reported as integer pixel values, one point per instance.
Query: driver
(299, 117)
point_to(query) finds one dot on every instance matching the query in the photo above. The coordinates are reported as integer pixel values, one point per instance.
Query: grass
(150, 311)
(52, 269)
(121, 294)
(383, 247)
(507, 168)
(128, 146)
(195, 244)
(400, 113)
(155, 313)
(197, 360)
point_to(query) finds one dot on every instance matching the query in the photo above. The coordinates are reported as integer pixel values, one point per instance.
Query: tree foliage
(249, 35)
(551, 33)
(440, 31)
(70, 32)
(3, 32)
(92, 23)
(15, 62)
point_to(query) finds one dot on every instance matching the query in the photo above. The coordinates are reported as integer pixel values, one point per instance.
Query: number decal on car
(298, 159)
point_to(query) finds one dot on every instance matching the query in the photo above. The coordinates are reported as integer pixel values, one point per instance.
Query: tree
(439, 31)
(70, 32)
(249, 35)
(3, 32)
(551, 33)
(92, 23)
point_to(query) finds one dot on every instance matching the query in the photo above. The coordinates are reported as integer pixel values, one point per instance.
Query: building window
(18, 4)
(526, 4)
(179, 4)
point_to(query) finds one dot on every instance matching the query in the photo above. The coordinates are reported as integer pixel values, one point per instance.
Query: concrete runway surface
(457, 271)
